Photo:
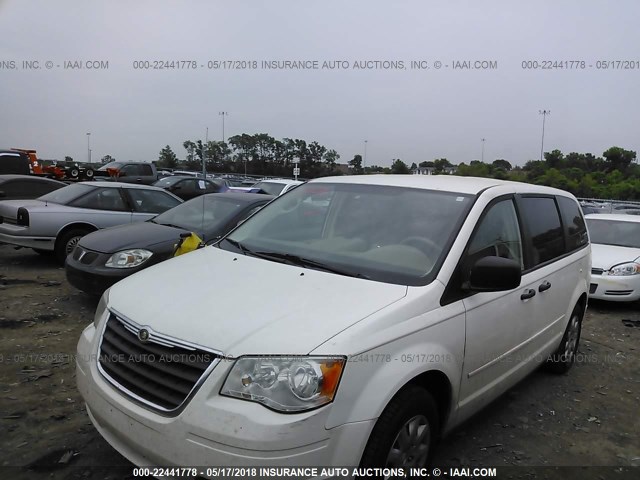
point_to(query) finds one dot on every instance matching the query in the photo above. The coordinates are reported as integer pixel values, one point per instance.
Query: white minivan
(350, 331)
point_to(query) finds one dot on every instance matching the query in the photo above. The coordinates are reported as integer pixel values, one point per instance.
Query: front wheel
(406, 432)
(564, 357)
(67, 242)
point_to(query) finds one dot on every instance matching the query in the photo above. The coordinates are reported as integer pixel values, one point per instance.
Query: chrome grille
(618, 292)
(161, 372)
(86, 257)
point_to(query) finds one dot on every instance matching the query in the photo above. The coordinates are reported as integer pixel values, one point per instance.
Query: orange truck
(65, 171)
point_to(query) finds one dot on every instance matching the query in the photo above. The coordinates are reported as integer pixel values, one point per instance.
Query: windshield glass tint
(614, 232)
(270, 188)
(389, 234)
(66, 194)
(110, 165)
(201, 214)
(168, 181)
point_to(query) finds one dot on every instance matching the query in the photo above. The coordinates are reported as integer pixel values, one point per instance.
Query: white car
(615, 247)
(274, 186)
(354, 330)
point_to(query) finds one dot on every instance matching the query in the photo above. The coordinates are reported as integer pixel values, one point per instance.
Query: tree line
(258, 154)
(615, 174)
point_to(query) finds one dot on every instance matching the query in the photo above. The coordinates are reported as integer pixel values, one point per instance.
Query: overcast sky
(414, 115)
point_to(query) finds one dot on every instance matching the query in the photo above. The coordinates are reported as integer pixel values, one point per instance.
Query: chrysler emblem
(143, 335)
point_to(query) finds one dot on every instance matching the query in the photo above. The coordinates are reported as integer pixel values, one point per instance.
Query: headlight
(285, 384)
(102, 307)
(631, 268)
(128, 258)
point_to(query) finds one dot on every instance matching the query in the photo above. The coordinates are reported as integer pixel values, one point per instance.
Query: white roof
(621, 217)
(447, 183)
(110, 184)
(282, 181)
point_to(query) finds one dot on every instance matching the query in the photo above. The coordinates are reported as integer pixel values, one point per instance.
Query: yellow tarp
(189, 244)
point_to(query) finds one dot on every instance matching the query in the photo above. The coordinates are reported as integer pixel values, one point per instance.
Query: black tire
(74, 172)
(66, 242)
(88, 173)
(412, 416)
(565, 356)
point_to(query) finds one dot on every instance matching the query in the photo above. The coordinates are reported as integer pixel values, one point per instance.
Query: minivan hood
(606, 256)
(245, 305)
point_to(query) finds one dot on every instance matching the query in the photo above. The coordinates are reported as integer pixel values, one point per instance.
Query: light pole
(364, 161)
(483, 140)
(544, 114)
(89, 147)
(204, 154)
(223, 114)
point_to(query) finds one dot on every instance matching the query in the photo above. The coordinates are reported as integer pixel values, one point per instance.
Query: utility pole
(204, 154)
(223, 114)
(88, 147)
(364, 161)
(544, 114)
(483, 140)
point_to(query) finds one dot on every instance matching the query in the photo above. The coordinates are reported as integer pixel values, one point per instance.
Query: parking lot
(586, 418)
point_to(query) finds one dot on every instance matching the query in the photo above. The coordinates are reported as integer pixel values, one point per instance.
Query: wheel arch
(89, 227)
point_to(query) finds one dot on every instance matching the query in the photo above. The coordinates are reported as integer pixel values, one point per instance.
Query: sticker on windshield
(459, 199)
(201, 184)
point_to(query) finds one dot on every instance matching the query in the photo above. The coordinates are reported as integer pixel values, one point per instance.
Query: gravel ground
(587, 418)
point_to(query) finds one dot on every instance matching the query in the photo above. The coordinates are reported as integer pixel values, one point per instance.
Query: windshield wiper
(307, 262)
(239, 246)
(172, 225)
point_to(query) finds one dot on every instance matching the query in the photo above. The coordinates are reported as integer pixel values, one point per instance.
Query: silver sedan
(56, 221)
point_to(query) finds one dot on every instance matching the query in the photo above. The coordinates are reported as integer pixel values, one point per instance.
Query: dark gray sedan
(105, 257)
(26, 187)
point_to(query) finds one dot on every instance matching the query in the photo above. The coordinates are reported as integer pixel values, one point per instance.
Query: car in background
(615, 253)
(55, 222)
(129, 172)
(275, 186)
(105, 257)
(15, 162)
(25, 187)
(187, 187)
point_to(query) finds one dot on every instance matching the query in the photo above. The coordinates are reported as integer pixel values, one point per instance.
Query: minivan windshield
(390, 234)
(614, 232)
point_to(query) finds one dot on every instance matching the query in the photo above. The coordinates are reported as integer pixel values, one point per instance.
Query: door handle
(544, 286)
(528, 293)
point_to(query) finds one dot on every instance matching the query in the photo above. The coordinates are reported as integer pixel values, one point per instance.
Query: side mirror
(494, 274)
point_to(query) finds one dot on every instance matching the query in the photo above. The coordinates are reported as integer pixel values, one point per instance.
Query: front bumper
(213, 430)
(13, 236)
(92, 279)
(615, 288)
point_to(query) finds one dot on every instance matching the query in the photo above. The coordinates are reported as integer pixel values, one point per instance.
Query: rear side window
(541, 217)
(574, 222)
(102, 199)
(151, 201)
